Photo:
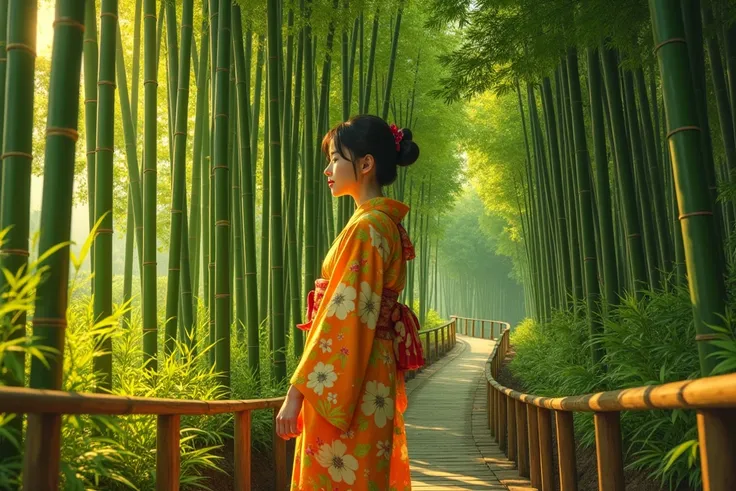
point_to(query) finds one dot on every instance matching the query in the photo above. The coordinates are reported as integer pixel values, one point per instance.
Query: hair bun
(408, 150)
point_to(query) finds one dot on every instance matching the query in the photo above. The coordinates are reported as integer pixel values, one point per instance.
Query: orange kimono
(353, 434)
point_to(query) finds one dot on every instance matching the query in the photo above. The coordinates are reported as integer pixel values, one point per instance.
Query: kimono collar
(394, 209)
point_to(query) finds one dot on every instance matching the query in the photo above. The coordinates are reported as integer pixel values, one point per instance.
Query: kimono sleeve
(332, 369)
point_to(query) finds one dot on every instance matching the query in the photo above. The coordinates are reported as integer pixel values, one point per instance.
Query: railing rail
(46, 407)
(521, 424)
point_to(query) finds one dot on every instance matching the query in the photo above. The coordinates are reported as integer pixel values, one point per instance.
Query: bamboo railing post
(609, 451)
(511, 428)
(436, 345)
(242, 450)
(492, 326)
(493, 410)
(473, 335)
(279, 457)
(42, 452)
(444, 346)
(522, 440)
(535, 471)
(426, 347)
(566, 450)
(489, 405)
(544, 422)
(497, 419)
(168, 457)
(502, 421)
(717, 438)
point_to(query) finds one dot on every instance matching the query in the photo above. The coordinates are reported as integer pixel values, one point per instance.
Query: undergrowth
(645, 341)
(118, 452)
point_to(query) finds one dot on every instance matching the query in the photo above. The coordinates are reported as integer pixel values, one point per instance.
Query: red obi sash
(395, 322)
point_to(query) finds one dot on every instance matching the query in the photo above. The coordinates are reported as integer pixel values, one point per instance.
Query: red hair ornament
(398, 136)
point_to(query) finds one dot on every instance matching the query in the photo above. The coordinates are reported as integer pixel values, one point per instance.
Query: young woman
(346, 400)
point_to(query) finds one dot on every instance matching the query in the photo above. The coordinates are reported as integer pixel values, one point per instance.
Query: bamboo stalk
(150, 83)
(222, 216)
(699, 232)
(104, 185)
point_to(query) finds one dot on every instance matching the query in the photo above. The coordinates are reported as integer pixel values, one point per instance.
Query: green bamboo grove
(191, 131)
(624, 186)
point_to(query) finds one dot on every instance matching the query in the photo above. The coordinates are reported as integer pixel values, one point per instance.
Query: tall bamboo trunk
(131, 154)
(585, 198)
(222, 195)
(56, 216)
(150, 329)
(561, 222)
(178, 209)
(718, 77)
(104, 186)
(293, 248)
(310, 259)
(196, 218)
(571, 184)
(640, 180)
(371, 64)
(264, 305)
(624, 170)
(656, 187)
(276, 242)
(707, 289)
(603, 192)
(214, 35)
(248, 201)
(90, 110)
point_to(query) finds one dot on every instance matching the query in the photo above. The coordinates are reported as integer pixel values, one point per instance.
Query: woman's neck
(366, 195)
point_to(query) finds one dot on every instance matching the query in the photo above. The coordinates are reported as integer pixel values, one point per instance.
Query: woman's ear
(367, 164)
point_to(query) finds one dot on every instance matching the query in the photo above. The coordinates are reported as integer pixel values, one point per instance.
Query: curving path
(456, 451)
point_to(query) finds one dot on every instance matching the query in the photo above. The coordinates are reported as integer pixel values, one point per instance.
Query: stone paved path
(450, 445)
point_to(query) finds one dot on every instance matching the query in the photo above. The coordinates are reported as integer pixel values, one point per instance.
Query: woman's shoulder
(377, 220)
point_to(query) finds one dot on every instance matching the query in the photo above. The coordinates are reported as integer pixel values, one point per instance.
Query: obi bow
(395, 322)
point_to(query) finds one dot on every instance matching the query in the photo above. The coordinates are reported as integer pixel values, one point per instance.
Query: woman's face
(341, 174)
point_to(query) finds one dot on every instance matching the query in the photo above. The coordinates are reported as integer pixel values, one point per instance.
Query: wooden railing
(521, 424)
(42, 449)
(434, 349)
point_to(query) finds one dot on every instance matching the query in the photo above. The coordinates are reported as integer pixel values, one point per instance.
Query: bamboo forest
(572, 219)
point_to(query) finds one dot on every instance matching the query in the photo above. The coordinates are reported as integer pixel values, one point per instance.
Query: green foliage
(509, 39)
(432, 320)
(646, 342)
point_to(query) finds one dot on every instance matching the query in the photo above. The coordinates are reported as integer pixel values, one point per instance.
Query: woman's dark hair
(366, 134)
